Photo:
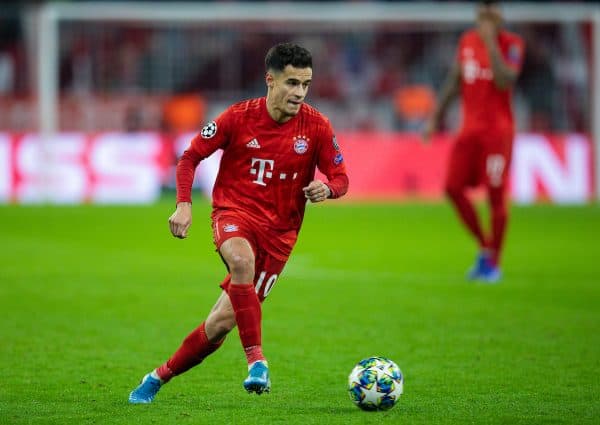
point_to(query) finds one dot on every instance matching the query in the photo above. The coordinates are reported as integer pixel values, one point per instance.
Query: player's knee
(241, 266)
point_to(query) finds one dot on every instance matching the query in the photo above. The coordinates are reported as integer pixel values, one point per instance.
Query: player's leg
(267, 271)
(499, 220)
(239, 256)
(209, 336)
(462, 172)
(236, 241)
(466, 212)
(497, 164)
(199, 344)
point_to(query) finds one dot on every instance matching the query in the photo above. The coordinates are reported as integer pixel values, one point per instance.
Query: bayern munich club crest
(228, 228)
(301, 144)
(209, 130)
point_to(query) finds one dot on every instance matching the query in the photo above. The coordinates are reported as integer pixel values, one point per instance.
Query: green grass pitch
(93, 297)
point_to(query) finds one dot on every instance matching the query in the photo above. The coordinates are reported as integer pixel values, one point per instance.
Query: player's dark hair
(284, 54)
(488, 2)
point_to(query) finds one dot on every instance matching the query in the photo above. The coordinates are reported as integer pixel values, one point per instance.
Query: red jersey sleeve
(214, 135)
(331, 163)
(513, 50)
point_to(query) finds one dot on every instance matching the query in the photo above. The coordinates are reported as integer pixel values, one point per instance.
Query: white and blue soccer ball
(375, 383)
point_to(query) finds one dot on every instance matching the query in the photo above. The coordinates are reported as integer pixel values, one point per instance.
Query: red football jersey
(265, 164)
(485, 107)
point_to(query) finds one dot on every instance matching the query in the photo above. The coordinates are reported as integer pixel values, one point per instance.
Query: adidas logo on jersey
(253, 144)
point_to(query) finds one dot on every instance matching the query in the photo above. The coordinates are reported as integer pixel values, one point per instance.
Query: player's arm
(336, 187)
(448, 92)
(331, 163)
(181, 220)
(213, 136)
(505, 75)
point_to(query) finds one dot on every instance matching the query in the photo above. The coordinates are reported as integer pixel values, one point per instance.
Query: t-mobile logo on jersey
(262, 170)
(265, 171)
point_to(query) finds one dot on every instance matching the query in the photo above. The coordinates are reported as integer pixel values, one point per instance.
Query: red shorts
(480, 158)
(271, 249)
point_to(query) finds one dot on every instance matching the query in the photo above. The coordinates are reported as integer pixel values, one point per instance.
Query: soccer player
(271, 148)
(487, 64)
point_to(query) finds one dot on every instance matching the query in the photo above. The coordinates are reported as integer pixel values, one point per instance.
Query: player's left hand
(316, 191)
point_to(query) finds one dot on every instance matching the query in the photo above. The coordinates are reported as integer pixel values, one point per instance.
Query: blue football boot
(490, 273)
(258, 378)
(146, 391)
(481, 264)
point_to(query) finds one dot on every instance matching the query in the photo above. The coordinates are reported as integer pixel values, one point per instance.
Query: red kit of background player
(487, 64)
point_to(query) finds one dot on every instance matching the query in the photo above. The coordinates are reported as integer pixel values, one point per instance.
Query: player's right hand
(181, 220)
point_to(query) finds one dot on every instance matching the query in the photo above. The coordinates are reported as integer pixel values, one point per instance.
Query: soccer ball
(375, 383)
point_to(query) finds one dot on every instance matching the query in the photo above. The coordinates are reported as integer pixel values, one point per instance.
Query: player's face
(491, 13)
(287, 90)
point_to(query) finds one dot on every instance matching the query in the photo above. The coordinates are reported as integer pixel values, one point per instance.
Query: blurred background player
(271, 148)
(488, 61)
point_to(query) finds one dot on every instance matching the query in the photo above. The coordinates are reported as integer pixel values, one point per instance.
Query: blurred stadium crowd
(171, 78)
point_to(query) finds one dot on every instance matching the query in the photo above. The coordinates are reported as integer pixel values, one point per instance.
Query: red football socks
(466, 211)
(246, 307)
(499, 213)
(196, 346)
(194, 349)
(499, 219)
(254, 354)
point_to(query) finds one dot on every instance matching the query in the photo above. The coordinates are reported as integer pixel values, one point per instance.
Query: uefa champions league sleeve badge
(209, 130)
